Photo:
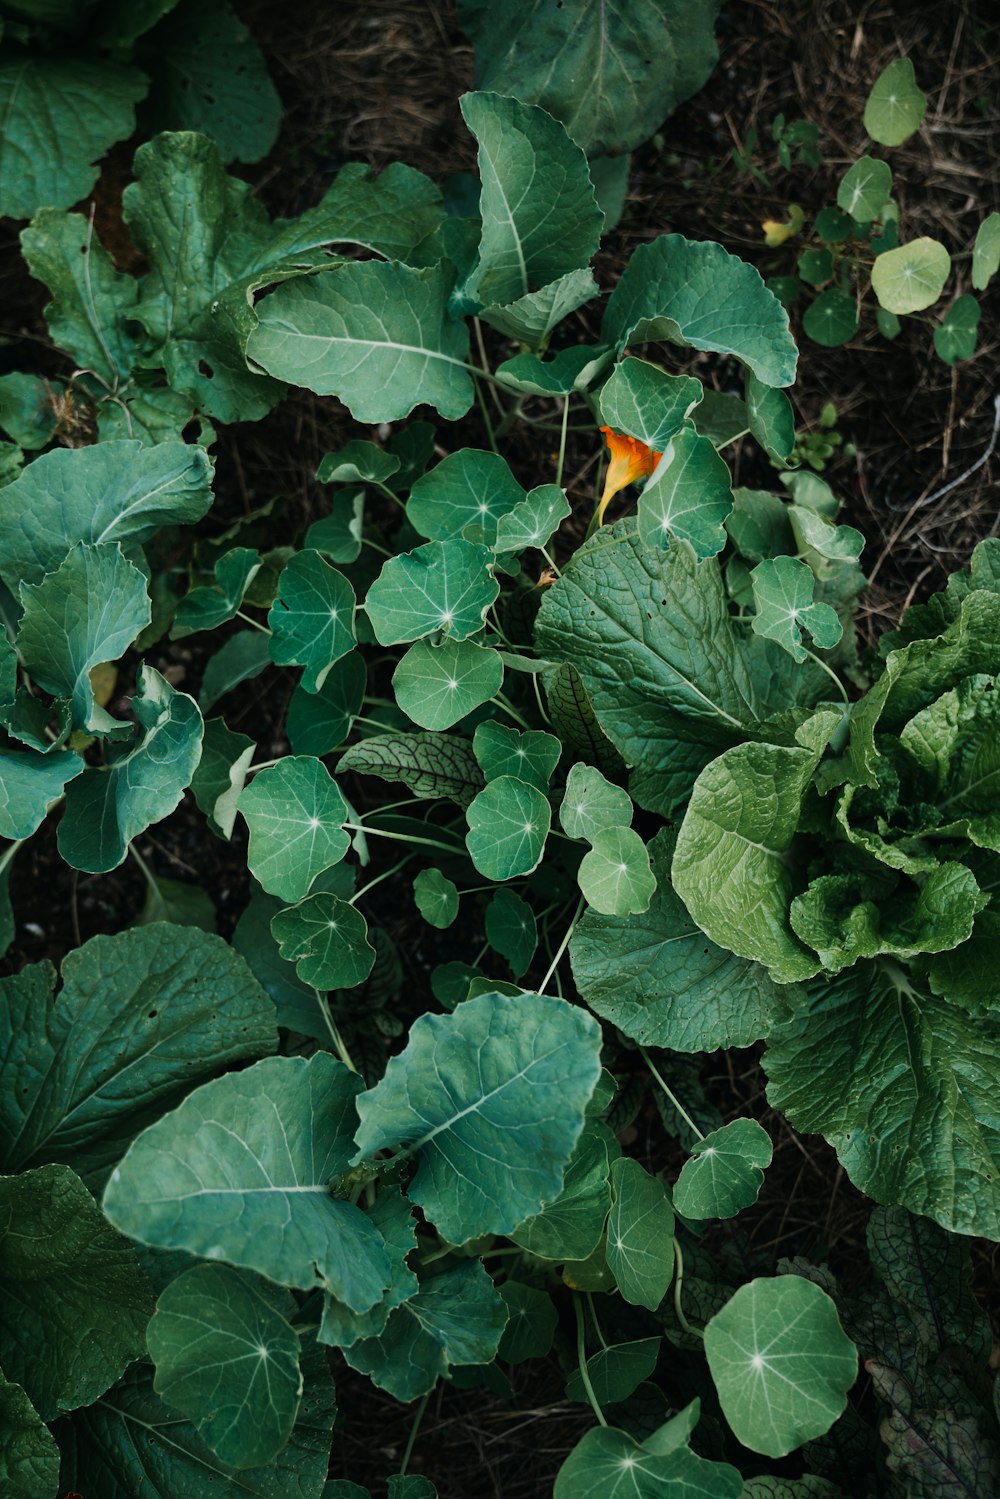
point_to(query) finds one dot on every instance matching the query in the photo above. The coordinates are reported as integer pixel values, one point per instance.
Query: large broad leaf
(312, 618)
(130, 1445)
(640, 1246)
(90, 609)
(29, 784)
(610, 72)
(113, 491)
(491, 1101)
(29, 1457)
(531, 319)
(73, 1301)
(140, 1019)
(658, 978)
(444, 589)
(901, 1084)
(227, 1358)
(781, 1362)
(670, 677)
(698, 295)
(60, 116)
(107, 808)
(539, 215)
(609, 1464)
(731, 865)
(455, 1318)
(241, 1172)
(430, 765)
(393, 1217)
(294, 811)
(378, 336)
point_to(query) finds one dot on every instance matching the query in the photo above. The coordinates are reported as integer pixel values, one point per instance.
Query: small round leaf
(436, 685)
(912, 277)
(615, 875)
(327, 940)
(508, 824)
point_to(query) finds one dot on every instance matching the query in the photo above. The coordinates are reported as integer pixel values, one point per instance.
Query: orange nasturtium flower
(630, 460)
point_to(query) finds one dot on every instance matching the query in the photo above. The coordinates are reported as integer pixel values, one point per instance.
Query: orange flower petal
(630, 460)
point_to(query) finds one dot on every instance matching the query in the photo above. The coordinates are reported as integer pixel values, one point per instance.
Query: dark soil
(380, 83)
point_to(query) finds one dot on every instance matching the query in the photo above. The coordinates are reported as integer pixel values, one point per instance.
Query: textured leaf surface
(508, 825)
(294, 811)
(444, 587)
(227, 1359)
(571, 1225)
(725, 1171)
(491, 1100)
(660, 980)
(431, 765)
(697, 294)
(640, 1247)
(74, 1302)
(532, 1321)
(900, 1084)
(29, 1457)
(240, 1173)
(781, 1362)
(393, 1217)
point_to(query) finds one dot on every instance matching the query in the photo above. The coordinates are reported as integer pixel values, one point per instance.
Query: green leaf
(814, 531)
(455, 1318)
(640, 1247)
(608, 1464)
(912, 277)
(227, 1358)
(531, 1322)
(294, 811)
(393, 1217)
(132, 1444)
(591, 804)
(436, 898)
(783, 597)
(888, 323)
(927, 1272)
(327, 940)
(615, 875)
(771, 419)
(110, 492)
(575, 722)
(531, 319)
(730, 866)
(221, 773)
(642, 400)
(240, 1173)
(140, 1019)
(533, 176)
(932, 1451)
(205, 608)
(339, 536)
(610, 73)
(89, 610)
(75, 1303)
(511, 930)
(177, 902)
(61, 115)
(864, 189)
(436, 685)
(570, 1226)
(491, 1100)
(615, 1372)
(237, 105)
(509, 822)
(501, 751)
(664, 292)
(533, 520)
(378, 336)
(986, 252)
(781, 1362)
(955, 335)
(297, 1005)
(895, 106)
(725, 1171)
(29, 785)
(318, 722)
(899, 1083)
(312, 618)
(107, 808)
(468, 488)
(29, 1457)
(444, 587)
(27, 410)
(571, 369)
(831, 319)
(358, 462)
(430, 765)
(688, 496)
(243, 655)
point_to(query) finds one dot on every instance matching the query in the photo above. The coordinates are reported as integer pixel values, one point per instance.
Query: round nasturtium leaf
(436, 898)
(955, 336)
(644, 401)
(781, 1362)
(319, 722)
(896, 105)
(469, 487)
(986, 252)
(615, 876)
(443, 588)
(327, 940)
(294, 812)
(227, 1357)
(609, 1462)
(501, 751)
(615, 1373)
(436, 685)
(832, 319)
(508, 824)
(725, 1171)
(312, 619)
(640, 1247)
(531, 1322)
(689, 496)
(532, 522)
(591, 803)
(783, 596)
(864, 189)
(912, 277)
(511, 930)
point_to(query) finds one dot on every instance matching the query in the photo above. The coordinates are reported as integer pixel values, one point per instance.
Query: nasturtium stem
(335, 1036)
(485, 413)
(369, 831)
(669, 1092)
(255, 622)
(581, 1354)
(563, 945)
(694, 1332)
(9, 852)
(593, 1317)
(538, 695)
(562, 441)
(832, 675)
(551, 561)
(148, 874)
(378, 879)
(263, 765)
(411, 1439)
(508, 707)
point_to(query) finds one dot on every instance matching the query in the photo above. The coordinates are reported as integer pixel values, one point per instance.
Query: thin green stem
(694, 1332)
(562, 441)
(148, 874)
(376, 723)
(8, 854)
(581, 1356)
(485, 370)
(593, 1317)
(339, 1044)
(670, 1093)
(832, 675)
(538, 696)
(357, 827)
(255, 622)
(551, 561)
(411, 1439)
(562, 946)
(484, 412)
(508, 707)
(264, 765)
(366, 541)
(378, 879)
